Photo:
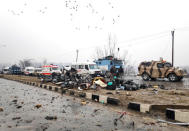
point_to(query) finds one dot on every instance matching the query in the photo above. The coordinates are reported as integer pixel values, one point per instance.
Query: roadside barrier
(178, 115)
(139, 107)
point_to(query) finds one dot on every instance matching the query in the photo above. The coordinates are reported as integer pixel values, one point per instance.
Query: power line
(142, 41)
(145, 37)
(186, 28)
(134, 41)
(165, 50)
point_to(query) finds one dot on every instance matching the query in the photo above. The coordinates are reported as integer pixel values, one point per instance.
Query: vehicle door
(161, 69)
(147, 67)
(154, 70)
(167, 66)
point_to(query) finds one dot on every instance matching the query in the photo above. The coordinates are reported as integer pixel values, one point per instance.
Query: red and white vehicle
(50, 70)
(29, 70)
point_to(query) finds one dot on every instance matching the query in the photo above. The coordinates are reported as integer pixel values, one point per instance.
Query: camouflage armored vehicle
(160, 69)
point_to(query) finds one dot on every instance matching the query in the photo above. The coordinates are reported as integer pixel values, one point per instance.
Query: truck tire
(145, 77)
(173, 77)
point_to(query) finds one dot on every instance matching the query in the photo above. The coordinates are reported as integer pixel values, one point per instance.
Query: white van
(29, 71)
(67, 67)
(86, 68)
(50, 69)
(6, 70)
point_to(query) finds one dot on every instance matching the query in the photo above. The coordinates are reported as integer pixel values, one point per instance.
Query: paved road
(19, 113)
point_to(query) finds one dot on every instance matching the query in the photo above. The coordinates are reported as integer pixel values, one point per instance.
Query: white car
(67, 67)
(29, 71)
(86, 68)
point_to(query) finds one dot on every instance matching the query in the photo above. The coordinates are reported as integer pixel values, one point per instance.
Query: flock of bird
(73, 9)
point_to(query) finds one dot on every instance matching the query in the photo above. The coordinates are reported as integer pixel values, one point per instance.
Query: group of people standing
(116, 71)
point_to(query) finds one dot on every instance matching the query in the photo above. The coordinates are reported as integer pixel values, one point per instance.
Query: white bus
(86, 68)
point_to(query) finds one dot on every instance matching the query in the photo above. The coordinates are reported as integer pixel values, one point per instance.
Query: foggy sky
(54, 29)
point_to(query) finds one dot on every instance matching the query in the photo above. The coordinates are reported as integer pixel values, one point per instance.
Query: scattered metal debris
(117, 119)
(16, 118)
(51, 117)
(174, 123)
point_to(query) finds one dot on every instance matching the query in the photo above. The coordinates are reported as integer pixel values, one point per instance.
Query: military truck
(151, 70)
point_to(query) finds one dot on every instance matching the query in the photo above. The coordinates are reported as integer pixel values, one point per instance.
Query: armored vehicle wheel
(172, 77)
(145, 77)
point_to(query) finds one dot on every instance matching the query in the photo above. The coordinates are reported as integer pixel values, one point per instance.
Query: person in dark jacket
(113, 71)
(120, 71)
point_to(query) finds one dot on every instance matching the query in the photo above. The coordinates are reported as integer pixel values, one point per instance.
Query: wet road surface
(30, 108)
(183, 84)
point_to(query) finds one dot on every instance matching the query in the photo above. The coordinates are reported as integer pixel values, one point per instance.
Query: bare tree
(112, 42)
(98, 53)
(111, 49)
(108, 50)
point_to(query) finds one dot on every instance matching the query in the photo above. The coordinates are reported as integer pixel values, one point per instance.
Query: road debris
(52, 99)
(1, 109)
(16, 118)
(99, 125)
(51, 117)
(63, 111)
(38, 106)
(28, 121)
(15, 101)
(83, 103)
(117, 119)
(96, 110)
(18, 107)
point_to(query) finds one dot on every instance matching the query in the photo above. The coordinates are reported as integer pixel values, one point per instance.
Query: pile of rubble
(72, 80)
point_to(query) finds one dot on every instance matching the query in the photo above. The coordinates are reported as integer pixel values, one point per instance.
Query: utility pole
(173, 34)
(118, 52)
(77, 51)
